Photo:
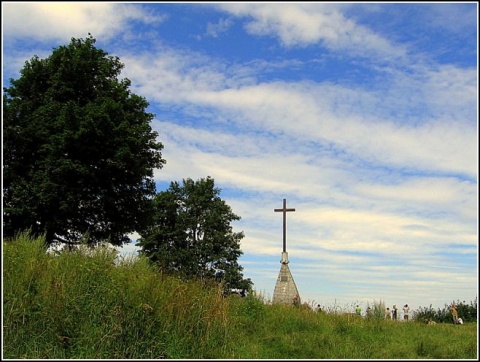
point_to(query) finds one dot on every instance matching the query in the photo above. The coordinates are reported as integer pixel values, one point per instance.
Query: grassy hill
(86, 306)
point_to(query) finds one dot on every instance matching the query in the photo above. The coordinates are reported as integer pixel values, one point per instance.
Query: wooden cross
(284, 210)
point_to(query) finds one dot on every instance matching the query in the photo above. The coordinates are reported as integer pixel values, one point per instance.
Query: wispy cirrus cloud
(216, 29)
(306, 24)
(367, 124)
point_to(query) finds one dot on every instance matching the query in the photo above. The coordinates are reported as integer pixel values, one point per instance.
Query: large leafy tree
(192, 234)
(78, 149)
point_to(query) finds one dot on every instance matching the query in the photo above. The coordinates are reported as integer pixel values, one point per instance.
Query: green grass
(82, 306)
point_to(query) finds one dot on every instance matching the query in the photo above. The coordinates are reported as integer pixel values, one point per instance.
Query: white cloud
(63, 20)
(128, 249)
(358, 122)
(308, 112)
(451, 17)
(393, 209)
(215, 30)
(306, 24)
(453, 92)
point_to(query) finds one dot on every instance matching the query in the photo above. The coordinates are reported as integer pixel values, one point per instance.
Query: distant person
(358, 310)
(406, 310)
(454, 310)
(296, 301)
(394, 312)
(388, 314)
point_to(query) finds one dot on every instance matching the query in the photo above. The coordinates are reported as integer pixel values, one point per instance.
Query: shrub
(468, 312)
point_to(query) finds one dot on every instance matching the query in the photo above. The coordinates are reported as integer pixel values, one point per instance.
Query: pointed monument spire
(285, 289)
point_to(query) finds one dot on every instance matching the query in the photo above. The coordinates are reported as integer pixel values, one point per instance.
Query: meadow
(86, 305)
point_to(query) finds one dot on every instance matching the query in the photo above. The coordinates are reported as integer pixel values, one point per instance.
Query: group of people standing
(393, 314)
(389, 314)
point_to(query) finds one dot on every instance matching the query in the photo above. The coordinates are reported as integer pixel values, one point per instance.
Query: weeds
(86, 305)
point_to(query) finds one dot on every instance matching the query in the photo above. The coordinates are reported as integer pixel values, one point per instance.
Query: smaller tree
(192, 234)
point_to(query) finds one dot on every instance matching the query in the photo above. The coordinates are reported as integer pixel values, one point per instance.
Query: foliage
(192, 234)
(128, 310)
(468, 313)
(78, 149)
(376, 311)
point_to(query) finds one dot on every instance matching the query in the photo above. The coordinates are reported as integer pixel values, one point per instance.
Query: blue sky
(362, 115)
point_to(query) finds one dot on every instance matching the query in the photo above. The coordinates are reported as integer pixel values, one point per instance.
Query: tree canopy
(192, 235)
(78, 149)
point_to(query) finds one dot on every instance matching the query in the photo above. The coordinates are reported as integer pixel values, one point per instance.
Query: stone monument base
(285, 288)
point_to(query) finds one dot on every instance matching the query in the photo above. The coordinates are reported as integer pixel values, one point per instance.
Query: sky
(363, 116)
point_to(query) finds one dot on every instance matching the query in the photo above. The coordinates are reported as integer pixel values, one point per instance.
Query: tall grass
(285, 332)
(87, 306)
(76, 305)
